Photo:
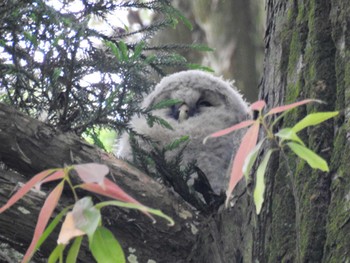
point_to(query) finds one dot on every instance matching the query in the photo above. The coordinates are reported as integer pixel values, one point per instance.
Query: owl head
(200, 94)
(205, 104)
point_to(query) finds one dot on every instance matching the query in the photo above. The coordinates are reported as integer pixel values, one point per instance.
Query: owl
(208, 104)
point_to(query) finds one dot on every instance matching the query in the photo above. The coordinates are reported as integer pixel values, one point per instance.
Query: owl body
(208, 104)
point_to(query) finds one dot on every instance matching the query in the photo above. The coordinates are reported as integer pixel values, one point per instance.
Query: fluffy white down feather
(213, 104)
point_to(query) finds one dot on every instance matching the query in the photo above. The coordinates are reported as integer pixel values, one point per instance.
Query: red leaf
(26, 188)
(258, 105)
(290, 106)
(44, 216)
(92, 172)
(112, 190)
(229, 130)
(53, 177)
(247, 144)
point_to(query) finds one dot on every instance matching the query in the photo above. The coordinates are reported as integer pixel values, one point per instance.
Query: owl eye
(204, 103)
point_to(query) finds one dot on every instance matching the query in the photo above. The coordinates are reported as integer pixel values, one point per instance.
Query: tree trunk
(305, 217)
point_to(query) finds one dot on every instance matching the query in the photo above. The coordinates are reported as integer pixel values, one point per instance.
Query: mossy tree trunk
(305, 217)
(306, 214)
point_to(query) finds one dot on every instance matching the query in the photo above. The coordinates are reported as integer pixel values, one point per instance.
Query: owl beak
(183, 112)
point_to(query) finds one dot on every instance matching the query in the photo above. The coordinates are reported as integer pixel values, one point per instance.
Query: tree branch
(30, 146)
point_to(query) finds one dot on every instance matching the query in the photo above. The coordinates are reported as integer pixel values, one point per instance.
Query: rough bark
(29, 146)
(305, 217)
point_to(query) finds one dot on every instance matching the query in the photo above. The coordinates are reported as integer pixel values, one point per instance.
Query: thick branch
(29, 146)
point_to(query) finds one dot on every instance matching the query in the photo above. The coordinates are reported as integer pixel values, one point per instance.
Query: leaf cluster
(81, 219)
(249, 148)
(56, 67)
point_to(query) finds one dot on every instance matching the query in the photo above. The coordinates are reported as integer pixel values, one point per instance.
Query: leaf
(289, 134)
(313, 119)
(176, 13)
(247, 144)
(163, 123)
(86, 216)
(150, 59)
(92, 172)
(51, 227)
(74, 250)
(199, 67)
(260, 182)
(138, 49)
(124, 49)
(202, 48)
(140, 207)
(68, 230)
(111, 190)
(56, 73)
(165, 104)
(56, 254)
(44, 216)
(115, 50)
(59, 174)
(105, 247)
(290, 106)
(250, 160)
(314, 160)
(176, 143)
(235, 127)
(26, 188)
(258, 105)
(32, 38)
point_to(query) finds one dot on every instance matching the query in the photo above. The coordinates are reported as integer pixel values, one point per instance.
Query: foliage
(56, 65)
(82, 218)
(286, 137)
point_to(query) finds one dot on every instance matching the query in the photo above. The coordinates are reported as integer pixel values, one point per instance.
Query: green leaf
(200, 67)
(165, 104)
(56, 73)
(105, 247)
(250, 159)
(203, 48)
(138, 49)
(150, 59)
(115, 50)
(164, 123)
(124, 49)
(314, 160)
(51, 227)
(176, 143)
(32, 38)
(74, 250)
(313, 119)
(184, 20)
(154, 119)
(56, 254)
(136, 206)
(86, 216)
(289, 134)
(260, 182)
